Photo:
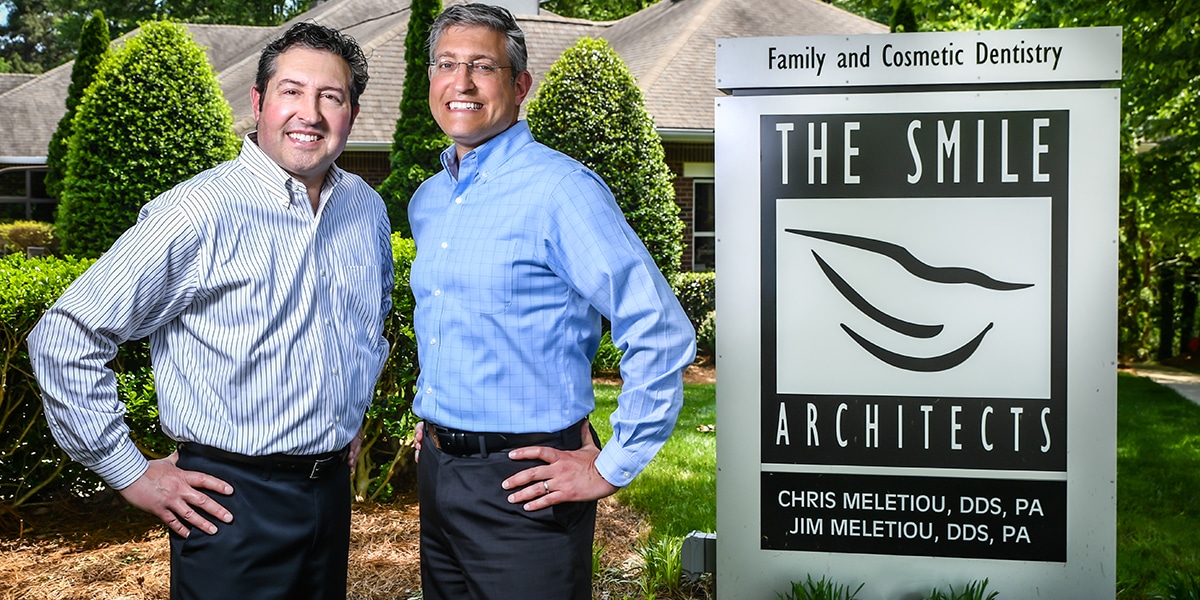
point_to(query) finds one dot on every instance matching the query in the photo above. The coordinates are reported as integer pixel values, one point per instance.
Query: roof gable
(669, 47)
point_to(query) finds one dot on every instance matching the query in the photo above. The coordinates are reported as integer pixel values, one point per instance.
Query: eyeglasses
(478, 68)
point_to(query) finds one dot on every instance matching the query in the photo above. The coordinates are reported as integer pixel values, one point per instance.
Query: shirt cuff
(616, 466)
(123, 467)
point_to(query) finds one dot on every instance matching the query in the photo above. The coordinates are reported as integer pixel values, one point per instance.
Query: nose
(462, 77)
(309, 109)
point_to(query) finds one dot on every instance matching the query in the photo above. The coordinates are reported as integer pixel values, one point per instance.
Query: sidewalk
(1184, 382)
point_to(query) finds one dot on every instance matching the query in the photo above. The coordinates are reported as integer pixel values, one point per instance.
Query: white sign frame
(1086, 570)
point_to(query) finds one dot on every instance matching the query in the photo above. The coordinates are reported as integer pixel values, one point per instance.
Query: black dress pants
(477, 546)
(289, 539)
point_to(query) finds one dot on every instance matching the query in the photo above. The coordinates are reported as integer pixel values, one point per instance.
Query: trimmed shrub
(697, 292)
(417, 141)
(153, 117)
(386, 456)
(20, 235)
(590, 108)
(31, 463)
(93, 47)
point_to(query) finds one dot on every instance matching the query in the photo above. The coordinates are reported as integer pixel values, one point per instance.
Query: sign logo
(921, 270)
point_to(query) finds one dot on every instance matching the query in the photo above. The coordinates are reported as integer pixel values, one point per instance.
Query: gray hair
(496, 18)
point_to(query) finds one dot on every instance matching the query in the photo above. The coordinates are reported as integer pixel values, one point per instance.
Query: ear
(523, 83)
(354, 114)
(255, 101)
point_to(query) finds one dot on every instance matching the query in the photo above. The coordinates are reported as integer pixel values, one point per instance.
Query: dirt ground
(107, 550)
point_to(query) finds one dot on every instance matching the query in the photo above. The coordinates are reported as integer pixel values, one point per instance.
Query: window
(704, 240)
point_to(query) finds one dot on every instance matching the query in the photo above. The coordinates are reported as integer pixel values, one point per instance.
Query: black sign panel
(917, 516)
(955, 360)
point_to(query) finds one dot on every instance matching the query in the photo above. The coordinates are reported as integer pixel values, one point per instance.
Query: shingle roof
(670, 48)
(9, 81)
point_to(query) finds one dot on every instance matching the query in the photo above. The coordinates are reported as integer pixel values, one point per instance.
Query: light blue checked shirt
(520, 250)
(265, 320)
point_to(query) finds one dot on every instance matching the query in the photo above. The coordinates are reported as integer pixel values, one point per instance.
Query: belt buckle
(318, 466)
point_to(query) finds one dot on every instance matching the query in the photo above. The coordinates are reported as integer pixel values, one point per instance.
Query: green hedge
(32, 467)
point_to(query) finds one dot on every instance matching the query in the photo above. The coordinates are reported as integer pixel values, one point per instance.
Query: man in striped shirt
(263, 284)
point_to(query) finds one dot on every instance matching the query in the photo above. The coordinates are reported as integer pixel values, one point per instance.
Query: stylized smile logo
(948, 275)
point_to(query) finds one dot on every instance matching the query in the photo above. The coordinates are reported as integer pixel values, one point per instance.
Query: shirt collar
(271, 173)
(490, 154)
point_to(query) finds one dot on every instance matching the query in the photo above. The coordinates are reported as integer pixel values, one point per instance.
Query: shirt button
(458, 200)
(428, 390)
(445, 245)
(437, 292)
(432, 341)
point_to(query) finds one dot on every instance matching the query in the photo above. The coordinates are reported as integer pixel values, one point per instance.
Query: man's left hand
(567, 476)
(355, 448)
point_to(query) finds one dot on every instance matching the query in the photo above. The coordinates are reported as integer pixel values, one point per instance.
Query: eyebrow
(297, 83)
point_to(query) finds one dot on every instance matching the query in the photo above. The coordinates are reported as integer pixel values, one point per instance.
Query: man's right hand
(173, 495)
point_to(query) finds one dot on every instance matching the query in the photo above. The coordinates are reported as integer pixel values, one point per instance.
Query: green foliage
(662, 566)
(590, 108)
(42, 34)
(706, 335)
(903, 19)
(596, 10)
(697, 293)
(388, 432)
(93, 47)
(1181, 586)
(19, 235)
(1158, 473)
(153, 117)
(975, 590)
(30, 462)
(819, 590)
(677, 490)
(418, 141)
(608, 357)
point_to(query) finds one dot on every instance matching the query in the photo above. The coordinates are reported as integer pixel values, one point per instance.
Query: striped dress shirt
(265, 319)
(520, 250)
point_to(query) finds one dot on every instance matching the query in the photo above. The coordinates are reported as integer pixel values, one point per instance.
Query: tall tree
(93, 47)
(904, 20)
(41, 34)
(590, 108)
(596, 10)
(417, 141)
(154, 117)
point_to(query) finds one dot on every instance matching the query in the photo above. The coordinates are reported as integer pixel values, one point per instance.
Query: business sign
(916, 368)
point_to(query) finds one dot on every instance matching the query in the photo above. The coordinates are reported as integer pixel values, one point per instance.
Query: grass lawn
(1158, 487)
(1158, 483)
(678, 491)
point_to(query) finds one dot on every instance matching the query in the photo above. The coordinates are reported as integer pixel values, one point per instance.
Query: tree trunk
(1166, 311)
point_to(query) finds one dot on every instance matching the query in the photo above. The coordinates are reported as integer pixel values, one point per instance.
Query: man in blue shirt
(521, 251)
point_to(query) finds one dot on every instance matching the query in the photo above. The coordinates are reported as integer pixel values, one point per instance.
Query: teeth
(465, 106)
(301, 137)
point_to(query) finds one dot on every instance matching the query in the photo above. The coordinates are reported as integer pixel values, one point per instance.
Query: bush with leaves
(418, 141)
(93, 47)
(30, 461)
(590, 108)
(154, 117)
(386, 454)
(21, 235)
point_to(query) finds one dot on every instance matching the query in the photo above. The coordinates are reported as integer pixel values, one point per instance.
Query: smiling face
(472, 108)
(304, 115)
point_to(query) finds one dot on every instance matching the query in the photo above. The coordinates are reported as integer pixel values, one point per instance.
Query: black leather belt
(314, 465)
(469, 443)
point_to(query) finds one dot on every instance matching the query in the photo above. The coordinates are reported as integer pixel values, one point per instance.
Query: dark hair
(317, 37)
(495, 18)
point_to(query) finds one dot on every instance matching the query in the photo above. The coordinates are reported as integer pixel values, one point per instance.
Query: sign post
(917, 247)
